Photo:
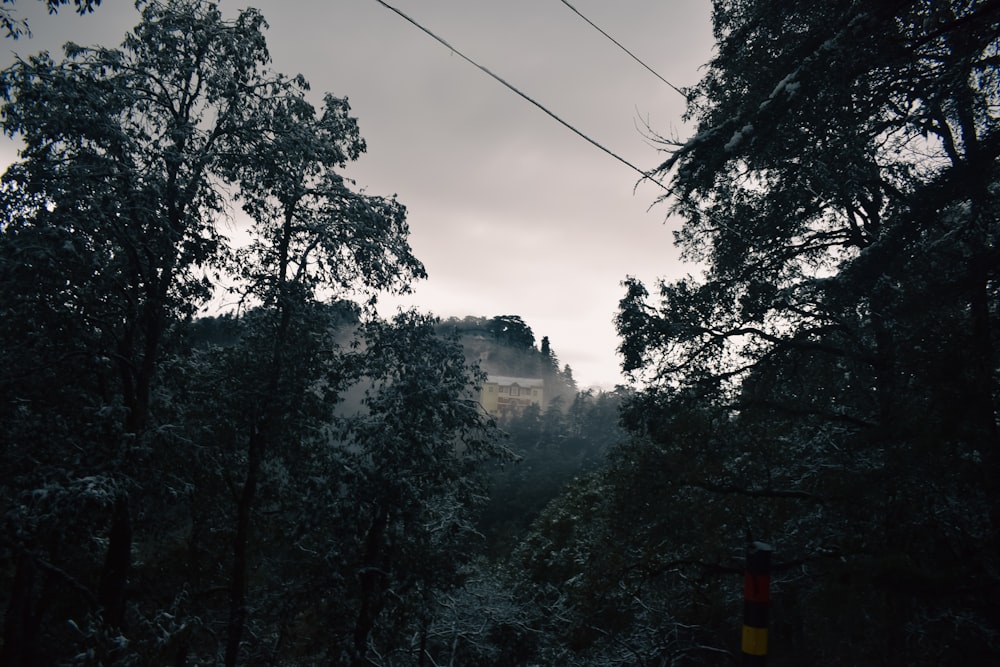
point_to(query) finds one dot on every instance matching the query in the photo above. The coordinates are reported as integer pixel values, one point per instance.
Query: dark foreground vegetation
(302, 482)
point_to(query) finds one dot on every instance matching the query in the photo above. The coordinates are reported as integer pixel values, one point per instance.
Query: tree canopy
(840, 192)
(158, 483)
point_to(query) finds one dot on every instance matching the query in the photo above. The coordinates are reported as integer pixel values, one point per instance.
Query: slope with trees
(505, 345)
(553, 443)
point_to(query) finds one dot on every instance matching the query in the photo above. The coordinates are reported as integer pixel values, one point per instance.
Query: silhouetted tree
(840, 192)
(109, 242)
(512, 331)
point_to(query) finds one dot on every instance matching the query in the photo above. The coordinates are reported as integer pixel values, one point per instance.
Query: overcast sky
(511, 213)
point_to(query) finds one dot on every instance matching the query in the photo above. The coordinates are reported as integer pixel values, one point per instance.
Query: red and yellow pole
(756, 604)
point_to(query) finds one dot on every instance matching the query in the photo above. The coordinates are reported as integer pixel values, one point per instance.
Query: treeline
(553, 448)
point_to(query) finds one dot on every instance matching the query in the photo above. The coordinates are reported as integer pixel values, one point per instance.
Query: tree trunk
(371, 578)
(891, 438)
(984, 381)
(117, 562)
(241, 545)
(21, 620)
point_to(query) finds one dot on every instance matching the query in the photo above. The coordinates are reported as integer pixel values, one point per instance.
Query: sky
(510, 212)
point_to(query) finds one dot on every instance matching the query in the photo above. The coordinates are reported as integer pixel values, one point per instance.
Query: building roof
(521, 382)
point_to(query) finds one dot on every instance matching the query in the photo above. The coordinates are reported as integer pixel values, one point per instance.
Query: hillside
(505, 345)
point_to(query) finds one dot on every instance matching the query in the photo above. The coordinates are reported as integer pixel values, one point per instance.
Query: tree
(110, 244)
(197, 492)
(415, 453)
(252, 494)
(118, 184)
(841, 193)
(511, 330)
(312, 235)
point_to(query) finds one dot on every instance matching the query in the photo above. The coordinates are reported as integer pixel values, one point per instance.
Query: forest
(299, 481)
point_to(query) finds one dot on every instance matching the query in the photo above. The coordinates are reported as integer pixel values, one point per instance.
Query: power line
(620, 46)
(646, 175)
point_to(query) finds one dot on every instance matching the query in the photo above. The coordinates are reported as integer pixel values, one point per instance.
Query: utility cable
(645, 175)
(620, 46)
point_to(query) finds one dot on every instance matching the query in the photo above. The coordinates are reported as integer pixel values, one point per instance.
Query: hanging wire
(645, 175)
(622, 47)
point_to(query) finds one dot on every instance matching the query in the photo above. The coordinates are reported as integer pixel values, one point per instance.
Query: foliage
(553, 448)
(176, 489)
(292, 482)
(412, 457)
(109, 238)
(608, 592)
(511, 330)
(840, 192)
(362, 514)
(298, 482)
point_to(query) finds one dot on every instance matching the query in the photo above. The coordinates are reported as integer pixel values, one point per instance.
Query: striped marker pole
(756, 602)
